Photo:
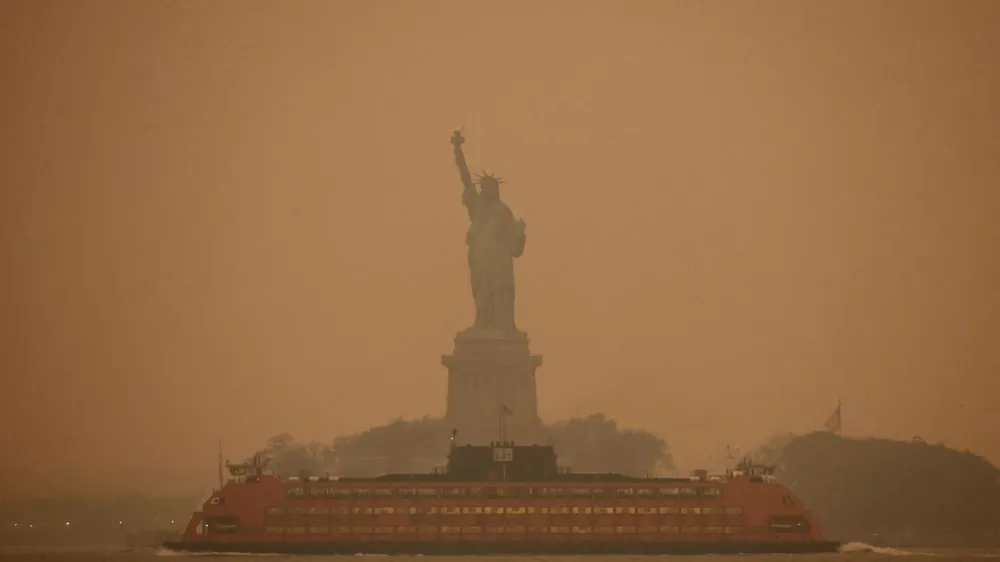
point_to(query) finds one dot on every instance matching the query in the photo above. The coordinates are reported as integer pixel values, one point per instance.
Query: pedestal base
(487, 371)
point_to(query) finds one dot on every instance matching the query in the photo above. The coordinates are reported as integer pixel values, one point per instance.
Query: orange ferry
(503, 499)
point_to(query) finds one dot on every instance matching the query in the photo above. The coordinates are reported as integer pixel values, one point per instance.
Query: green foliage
(772, 449)
(859, 487)
(289, 457)
(596, 444)
(592, 444)
(400, 446)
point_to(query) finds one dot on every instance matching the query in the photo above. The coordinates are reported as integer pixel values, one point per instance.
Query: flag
(506, 410)
(833, 422)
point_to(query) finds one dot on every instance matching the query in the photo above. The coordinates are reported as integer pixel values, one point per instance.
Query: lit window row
(508, 529)
(333, 491)
(497, 510)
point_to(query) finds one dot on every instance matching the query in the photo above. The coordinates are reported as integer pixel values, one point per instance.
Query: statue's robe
(494, 239)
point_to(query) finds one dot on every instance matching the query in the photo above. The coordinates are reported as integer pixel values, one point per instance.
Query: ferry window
(711, 510)
(789, 524)
(338, 492)
(493, 492)
(556, 492)
(295, 530)
(222, 524)
(339, 511)
(379, 510)
(645, 492)
(733, 530)
(647, 530)
(494, 529)
(319, 510)
(711, 529)
(342, 530)
(427, 492)
(670, 492)
(580, 492)
(579, 509)
(406, 492)
(362, 492)
(539, 492)
(275, 530)
(406, 529)
(514, 528)
(600, 493)
(624, 529)
(713, 492)
(670, 529)
(493, 510)
(473, 529)
(275, 510)
(362, 530)
(734, 510)
(298, 511)
(669, 510)
(624, 492)
(691, 510)
(319, 530)
(317, 492)
(296, 492)
(516, 492)
(646, 510)
(604, 529)
(690, 529)
(427, 530)
(361, 510)
(384, 530)
(452, 492)
(689, 491)
(382, 492)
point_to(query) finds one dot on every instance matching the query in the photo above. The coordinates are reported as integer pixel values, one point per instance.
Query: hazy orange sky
(237, 218)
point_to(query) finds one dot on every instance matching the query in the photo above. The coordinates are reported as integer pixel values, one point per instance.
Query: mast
(220, 464)
(840, 419)
(503, 423)
(503, 440)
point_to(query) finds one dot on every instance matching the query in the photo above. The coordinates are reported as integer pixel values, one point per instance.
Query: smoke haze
(238, 218)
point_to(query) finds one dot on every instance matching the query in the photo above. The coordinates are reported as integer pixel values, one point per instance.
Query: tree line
(591, 444)
(894, 492)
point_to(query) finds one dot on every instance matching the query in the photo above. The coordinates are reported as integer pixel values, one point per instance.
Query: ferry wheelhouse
(503, 499)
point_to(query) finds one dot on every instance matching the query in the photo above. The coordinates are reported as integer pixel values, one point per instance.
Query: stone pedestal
(486, 372)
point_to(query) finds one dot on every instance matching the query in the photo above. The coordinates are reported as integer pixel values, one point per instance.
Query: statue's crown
(488, 178)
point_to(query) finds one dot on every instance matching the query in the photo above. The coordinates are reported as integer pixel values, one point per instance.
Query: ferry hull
(512, 547)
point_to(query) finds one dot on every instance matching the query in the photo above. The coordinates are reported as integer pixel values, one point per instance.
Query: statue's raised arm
(469, 194)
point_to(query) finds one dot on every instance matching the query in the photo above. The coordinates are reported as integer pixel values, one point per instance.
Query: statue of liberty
(494, 238)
